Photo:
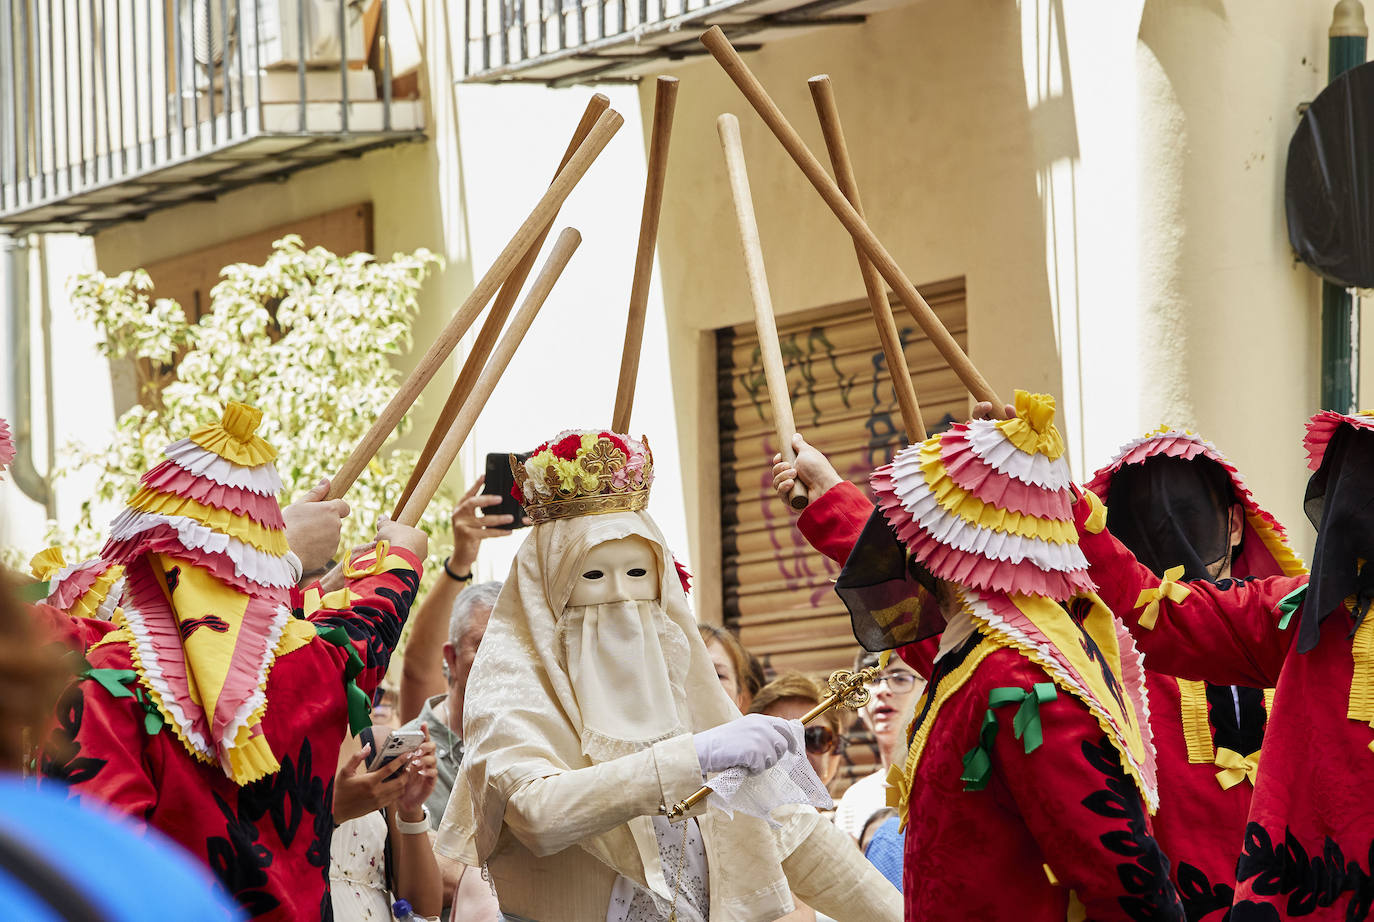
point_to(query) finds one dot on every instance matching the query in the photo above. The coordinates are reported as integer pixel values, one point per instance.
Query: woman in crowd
(889, 708)
(790, 696)
(739, 673)
(380, 851)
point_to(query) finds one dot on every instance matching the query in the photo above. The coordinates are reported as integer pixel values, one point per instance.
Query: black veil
(1171, 511)
(1340, 504)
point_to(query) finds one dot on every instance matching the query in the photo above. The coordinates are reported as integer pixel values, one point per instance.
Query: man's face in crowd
(459, 659)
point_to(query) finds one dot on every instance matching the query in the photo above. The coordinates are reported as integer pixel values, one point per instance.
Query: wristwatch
(408, 828)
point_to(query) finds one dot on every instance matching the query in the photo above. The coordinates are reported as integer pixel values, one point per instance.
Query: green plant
(306, 337)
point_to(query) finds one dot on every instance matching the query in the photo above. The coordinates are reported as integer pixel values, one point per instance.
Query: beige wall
(1109, 183)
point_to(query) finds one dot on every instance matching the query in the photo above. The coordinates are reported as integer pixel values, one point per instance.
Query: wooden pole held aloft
(665, 100)
(429, 481)
(496, 318)
(606, 126)
(823, 94)
(774, 372)
(735, 68)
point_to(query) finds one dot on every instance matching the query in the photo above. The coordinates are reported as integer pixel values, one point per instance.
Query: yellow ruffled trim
(1197, 729)
(120, 635)
(1290, 564)
(268, 540)
(157, 698)
(297, 633)
(902, 774)
(954, 499)
(250, 758)
(1097, 518)
(1361, 706)
(233, 438)
(89, 604)
(1033, 430)
(1268, 700)
(47, 563)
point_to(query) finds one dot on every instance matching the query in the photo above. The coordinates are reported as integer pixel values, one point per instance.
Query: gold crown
(584, 472)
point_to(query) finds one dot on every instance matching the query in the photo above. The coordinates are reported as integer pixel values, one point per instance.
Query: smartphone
(499, 482)
(391, 745)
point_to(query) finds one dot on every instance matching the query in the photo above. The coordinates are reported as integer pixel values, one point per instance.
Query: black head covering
(1340, 504)
(1171, 511)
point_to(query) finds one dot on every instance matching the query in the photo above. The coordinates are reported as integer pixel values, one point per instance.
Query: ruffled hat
(89, 589)
(208, 576)
(987, 504)
(1265, 550)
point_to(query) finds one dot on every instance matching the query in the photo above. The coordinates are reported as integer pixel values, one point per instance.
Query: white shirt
(864, 798)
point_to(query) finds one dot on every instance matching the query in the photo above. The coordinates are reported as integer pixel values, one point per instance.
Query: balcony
(562, 42)
(113, 109)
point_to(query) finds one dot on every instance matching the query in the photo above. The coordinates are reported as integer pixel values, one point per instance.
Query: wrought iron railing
(112, 108)
(576, 41)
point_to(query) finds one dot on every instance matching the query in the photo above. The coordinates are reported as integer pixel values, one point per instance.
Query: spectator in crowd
(790, 696)
(889, 707)
(883, 842)
(422, 677)
(380, 851)
(740, 674)
(384, 708)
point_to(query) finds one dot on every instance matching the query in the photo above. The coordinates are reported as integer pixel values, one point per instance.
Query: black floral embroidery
(1145, 877)
(1079, 608)
(1310, 882)
(1200, 896)
(282, 798)
(61, 756)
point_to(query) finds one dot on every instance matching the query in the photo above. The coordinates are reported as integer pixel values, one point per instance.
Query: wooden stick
(823, 94)
(665, 99)
(496, 317)
(434, 473)
(774, 372)
(606, 126)
(724, 53)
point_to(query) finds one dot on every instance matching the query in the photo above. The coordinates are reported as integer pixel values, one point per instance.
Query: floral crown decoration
(584, 472)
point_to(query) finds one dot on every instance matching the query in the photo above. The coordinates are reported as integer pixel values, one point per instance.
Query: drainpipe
(14, 265)
(1347, 41)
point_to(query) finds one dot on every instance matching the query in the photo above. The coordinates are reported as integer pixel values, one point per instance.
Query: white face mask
(623, 570)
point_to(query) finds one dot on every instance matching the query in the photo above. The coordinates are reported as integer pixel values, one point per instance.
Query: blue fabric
(885, 848)
(132, 876)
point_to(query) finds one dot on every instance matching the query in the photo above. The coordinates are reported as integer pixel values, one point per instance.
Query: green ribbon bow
(1291, 603)
(117, 682)
(359, 704)
(1026, 725)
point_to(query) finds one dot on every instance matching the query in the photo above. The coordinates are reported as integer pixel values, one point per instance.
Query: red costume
(1308, 847)
(170, 721)
(1170, 496)
(1030, 762)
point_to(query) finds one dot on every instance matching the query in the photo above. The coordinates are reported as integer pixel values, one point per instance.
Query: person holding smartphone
(380, 850)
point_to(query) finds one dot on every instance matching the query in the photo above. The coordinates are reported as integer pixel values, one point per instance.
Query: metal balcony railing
(561, 42)
(111, 109)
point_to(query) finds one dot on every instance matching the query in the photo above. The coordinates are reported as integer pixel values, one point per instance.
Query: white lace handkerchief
(791, 781)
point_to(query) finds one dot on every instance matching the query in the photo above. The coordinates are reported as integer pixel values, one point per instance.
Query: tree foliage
(307, 337)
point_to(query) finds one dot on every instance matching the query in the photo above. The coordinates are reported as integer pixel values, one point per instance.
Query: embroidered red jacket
(1062, 827)
(268, 842)
(1308, 849)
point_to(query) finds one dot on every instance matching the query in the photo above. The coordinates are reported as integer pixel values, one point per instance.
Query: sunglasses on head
(820, 740)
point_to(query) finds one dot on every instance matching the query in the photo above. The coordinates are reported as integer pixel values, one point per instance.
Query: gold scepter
(847, 689)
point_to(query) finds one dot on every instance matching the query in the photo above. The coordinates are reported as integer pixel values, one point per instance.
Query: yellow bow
(352, 569)
(1168, 589)
(1235, 767)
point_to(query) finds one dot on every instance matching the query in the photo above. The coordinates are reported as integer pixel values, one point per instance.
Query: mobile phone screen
(499, 482)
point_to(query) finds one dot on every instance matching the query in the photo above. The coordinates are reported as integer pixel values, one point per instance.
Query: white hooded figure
(593, 706)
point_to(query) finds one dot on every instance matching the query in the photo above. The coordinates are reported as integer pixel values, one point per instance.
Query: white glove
(754, 742)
